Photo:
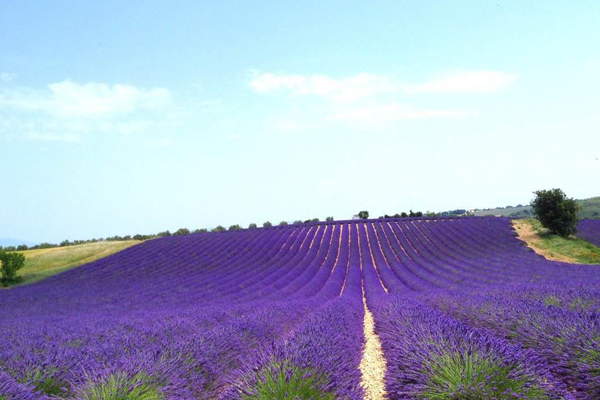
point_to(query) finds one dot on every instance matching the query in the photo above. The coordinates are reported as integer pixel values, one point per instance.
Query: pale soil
(373, 365)
(527, 234)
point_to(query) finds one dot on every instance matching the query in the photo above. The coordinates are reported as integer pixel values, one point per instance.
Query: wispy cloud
(346, 89)
(364, 85)
(373, 98)
(7, 76)
(54, 137)
(67, 111)
(68, 99)
(393, 112)
(162, 142)
(465, 82)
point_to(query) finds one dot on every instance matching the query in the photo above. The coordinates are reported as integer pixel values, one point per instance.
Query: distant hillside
(42, 263)
(590, 209)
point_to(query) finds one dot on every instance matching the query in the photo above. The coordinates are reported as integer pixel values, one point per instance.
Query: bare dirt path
(527, 234)
(373, 365)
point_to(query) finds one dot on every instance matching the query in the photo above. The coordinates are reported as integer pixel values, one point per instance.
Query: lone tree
(10, 263)
(363, 215)
(556, 211)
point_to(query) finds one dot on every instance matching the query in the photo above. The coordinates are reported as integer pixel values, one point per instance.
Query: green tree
(298, 222)
(235, 227)
(219, 228)
(201, 230)
(556, 211)
(363, 215)
(22, 247)
(283, 223)
(329, 219)
(181, 232)
(267, 224)
(252, 226)
(10, 263)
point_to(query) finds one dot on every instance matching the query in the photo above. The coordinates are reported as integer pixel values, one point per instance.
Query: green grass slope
(42, 263)
(571, 249)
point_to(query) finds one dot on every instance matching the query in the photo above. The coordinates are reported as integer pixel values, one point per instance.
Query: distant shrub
(298, 222)
(22, 247)
(163, 234)
(267, 224)
(235, 227)
(10, 263)
(219, 228)
(555, 211)
(201, 230)
(282, 223)
(181, 232)
(329, 219)
(252, 226)
(363, 214)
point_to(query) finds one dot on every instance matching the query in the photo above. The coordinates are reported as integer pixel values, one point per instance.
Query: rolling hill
(367, 309)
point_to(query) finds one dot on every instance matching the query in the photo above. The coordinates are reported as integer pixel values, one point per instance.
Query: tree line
(178, 232)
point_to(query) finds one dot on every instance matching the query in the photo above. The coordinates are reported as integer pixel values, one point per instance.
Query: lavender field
(462, 309)
(589, 229)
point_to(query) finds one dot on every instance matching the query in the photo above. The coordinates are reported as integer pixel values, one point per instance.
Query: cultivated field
(398, 309)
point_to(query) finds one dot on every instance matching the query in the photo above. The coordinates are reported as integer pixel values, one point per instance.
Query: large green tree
(10, 263)
(556, 211)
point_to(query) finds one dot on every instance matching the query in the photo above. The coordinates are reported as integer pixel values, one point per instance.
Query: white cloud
(366, 85)
(162, 142)
(67, 111)
(72, 100)
(54, 137)
(341, 90)
(465, 82)
(7, 77)
(291, 125)
(393, 112)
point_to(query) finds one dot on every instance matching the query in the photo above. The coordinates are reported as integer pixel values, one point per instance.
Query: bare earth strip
(373, 365)
(532, 239)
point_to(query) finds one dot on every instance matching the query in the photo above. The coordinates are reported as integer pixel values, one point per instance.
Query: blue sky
(135, 117)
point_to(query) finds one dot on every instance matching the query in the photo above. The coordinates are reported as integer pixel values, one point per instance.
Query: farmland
(407, 308)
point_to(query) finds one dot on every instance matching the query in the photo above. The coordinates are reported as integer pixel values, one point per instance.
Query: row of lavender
(589, 229)
(228, 315)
